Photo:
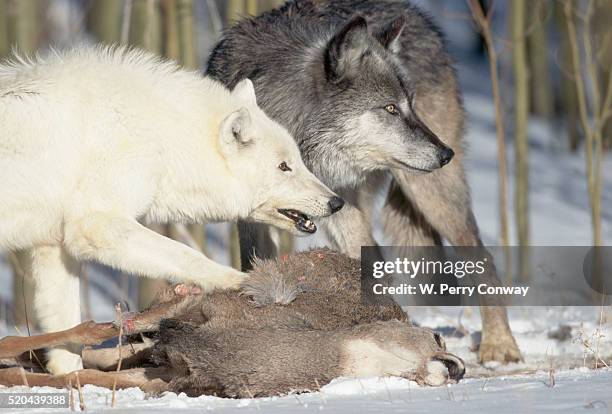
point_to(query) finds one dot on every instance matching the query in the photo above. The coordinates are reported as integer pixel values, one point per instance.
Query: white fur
(366, 358)
(94, 139)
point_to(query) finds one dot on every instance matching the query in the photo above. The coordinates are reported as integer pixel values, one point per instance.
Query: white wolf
(94, 139)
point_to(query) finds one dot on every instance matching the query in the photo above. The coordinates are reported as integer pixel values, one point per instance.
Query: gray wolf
(368, 90)
(304, 314)
(94, 139)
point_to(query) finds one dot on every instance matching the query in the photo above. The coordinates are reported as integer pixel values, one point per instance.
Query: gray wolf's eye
(392, 109)
(284, 167)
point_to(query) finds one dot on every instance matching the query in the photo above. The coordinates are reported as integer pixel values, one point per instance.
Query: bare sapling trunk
(145, 22)
(602, 38)
(234, 246)
(185, 10)
(592, 123)
(4, 34)
(105, 20)
(483, 21)
(252, 7)
(568, 109)
(170, 33)
(24, 25)
(541, 96)
(235, 9)
(521, 110)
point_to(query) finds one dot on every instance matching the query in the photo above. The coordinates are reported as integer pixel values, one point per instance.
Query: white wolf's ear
(346, 48)
(234, 131)
(389, 35)
(245, 91)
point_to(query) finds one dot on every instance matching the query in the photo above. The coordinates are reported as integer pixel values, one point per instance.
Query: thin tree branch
(484, 25)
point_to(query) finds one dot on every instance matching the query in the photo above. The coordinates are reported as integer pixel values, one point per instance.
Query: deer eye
(284, 167)
(392, 109)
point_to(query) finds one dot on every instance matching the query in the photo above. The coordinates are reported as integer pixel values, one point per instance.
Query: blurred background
(536, 80)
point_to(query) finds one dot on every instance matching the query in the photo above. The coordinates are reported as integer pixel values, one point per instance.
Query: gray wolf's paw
(499, 348)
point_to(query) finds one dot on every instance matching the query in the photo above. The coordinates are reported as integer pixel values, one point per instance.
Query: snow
(575, 390)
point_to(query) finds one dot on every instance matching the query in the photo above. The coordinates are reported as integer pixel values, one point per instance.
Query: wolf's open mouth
(301, 220)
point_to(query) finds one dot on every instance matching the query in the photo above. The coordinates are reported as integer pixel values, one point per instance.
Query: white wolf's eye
(392, 109)
(284, 167)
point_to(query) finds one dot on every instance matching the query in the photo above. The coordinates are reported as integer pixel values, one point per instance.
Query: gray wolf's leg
(443, 199)
(403, 225)
(57, 302)
(255, 241)
(123, 243)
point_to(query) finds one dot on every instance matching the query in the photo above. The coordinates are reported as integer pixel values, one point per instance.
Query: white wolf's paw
(62, 361)
(229, 280)
(232, 280)
(499, 348)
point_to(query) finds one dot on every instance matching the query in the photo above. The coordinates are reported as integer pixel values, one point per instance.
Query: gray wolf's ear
(234, 130)
(345, 49)
(389, 35)
(245, 91)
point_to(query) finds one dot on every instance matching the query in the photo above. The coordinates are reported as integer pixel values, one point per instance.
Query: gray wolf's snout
(446, 155)
(335, 204)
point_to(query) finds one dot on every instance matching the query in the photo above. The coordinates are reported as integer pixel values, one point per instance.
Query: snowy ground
(574, 391)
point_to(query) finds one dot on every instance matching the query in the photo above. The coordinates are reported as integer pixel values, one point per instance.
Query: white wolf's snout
(311, 204)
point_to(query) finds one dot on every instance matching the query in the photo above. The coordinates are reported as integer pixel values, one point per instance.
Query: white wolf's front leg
(57, 302)
(125, 244)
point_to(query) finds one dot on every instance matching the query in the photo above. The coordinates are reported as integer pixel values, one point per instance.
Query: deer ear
(389, 35)
(234, 131)
(345, 49)
(245, 91)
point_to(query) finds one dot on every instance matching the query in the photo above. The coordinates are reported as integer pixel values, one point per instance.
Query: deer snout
(454, 365)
